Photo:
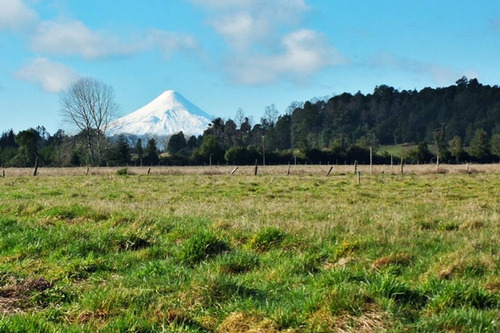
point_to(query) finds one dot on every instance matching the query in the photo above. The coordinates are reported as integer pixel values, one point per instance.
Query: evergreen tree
(479, 147)
(421, 154)
(495, 145)
(8, 147)
(176, 143)
(139, 151)
(151, 153)
(192, 142)
(8, 139)
(75, 159)
(120, 154)
(28, 147)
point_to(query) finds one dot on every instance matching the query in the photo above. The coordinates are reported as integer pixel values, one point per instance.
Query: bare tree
(270, 116)
(89, 105)
(239, 117)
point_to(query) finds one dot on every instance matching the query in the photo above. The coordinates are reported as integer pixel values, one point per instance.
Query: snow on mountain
(168, 114)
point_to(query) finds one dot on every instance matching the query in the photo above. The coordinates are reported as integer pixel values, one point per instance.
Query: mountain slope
(168, 114)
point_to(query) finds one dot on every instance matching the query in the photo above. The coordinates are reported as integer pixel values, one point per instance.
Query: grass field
(274, 170)
(209, 252)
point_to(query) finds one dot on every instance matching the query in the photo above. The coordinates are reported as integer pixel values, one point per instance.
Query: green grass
(402, 150)
(205, 253)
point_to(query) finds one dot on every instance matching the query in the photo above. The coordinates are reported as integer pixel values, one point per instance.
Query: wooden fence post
(288, 171)
(402, 165)
(149, 171)
(256, 168)
(35, 169)
(329, 171)
(437, 163)
(87, 173)
(355, 167)
(232, 172)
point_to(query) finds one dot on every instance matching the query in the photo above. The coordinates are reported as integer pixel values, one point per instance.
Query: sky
(223, 55)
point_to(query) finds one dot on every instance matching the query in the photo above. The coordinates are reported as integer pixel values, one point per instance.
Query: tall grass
(203, 253)
(276, 170)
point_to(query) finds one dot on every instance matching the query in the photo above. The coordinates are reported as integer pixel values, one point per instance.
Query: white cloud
(440, 74)
(241, 30)
(14, 14)
(75, 38)
(52, 76)
(169, 42)
(245, 22)
(303, 52)
(265, 41)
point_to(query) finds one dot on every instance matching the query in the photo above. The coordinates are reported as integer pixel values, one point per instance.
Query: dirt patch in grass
(15, 296)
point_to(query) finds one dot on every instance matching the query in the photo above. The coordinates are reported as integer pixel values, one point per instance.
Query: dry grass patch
(295, 170)
(397, 259)
(240, 322)
(472, 225)
(370, 321)
(464, 264)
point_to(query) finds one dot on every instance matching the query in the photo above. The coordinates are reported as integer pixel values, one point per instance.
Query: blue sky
(227, 54)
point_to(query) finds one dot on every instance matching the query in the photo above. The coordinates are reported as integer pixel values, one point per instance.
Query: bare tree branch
(89, 106)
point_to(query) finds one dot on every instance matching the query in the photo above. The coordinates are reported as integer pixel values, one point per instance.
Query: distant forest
(457, 123)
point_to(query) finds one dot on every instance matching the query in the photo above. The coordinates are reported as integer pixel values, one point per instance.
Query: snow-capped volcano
(168, 114)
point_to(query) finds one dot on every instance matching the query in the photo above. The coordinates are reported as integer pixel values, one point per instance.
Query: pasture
(199, 250)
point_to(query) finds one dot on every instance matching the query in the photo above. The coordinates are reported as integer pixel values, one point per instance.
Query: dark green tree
(495, 145)
(75, 159)
(176, 143)
(211, 151)
(121, 152)
(28, 147)
(237, 155)
(192, 142)
(151, 153)
(279, 135)
(479, 146)
(8, 139)
(8, 147)
(421, 154)
(245, 129)
(139, 150)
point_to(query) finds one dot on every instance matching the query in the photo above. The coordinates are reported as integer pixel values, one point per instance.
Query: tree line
(460, 122)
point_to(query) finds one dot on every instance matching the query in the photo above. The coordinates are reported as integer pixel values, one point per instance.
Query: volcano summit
(166, 115)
